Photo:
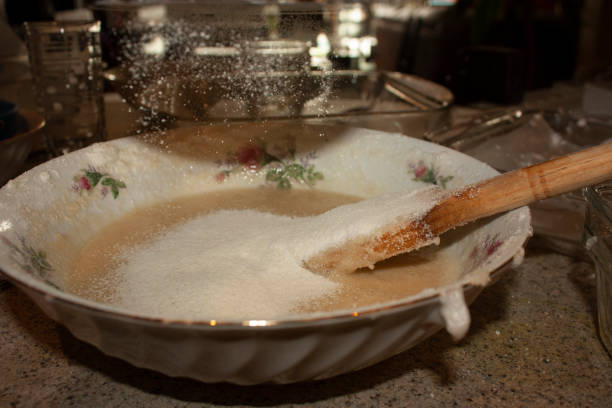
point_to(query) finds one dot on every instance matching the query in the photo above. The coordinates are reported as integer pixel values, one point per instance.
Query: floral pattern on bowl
(484, 249)
(31, 260)
(89, 178)
(281, 168)
(428, 173)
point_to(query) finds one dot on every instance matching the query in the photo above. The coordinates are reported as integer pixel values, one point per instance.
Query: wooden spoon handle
(521, 187)
(502, 193)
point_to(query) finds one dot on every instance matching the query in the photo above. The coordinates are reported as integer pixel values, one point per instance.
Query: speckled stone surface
(532, 343)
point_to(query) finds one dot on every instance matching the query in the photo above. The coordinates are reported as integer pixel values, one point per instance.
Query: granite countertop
(532, 343)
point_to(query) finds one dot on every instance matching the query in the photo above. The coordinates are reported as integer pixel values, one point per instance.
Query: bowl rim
(263, 324)
(34, 122)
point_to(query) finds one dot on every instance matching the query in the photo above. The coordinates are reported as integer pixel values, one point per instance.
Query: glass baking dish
(388, 101)
(513, 138)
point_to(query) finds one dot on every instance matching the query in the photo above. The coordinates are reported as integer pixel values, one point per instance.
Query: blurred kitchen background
(510, 82)
(491, 50)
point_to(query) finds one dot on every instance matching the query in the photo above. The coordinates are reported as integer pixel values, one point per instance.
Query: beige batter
(95, 273)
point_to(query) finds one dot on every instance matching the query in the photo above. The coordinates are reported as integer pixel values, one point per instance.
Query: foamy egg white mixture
(205, 261)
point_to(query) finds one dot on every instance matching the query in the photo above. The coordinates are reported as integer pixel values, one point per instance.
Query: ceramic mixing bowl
(50, 212)
(8, 119)
(14, 150)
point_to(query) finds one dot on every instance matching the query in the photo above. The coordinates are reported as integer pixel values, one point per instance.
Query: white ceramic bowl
(46, 216)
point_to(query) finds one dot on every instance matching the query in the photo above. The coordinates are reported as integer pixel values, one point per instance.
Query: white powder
(246, 265)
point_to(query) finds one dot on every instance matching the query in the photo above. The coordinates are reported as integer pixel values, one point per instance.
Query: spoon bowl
(469, 203)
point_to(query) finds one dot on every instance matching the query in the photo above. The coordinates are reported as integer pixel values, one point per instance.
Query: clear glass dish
(209, 63)
(598, 243)
(388, 101)
(515, 138)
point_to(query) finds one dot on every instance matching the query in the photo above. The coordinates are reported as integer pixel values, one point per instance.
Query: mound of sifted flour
(246, 264)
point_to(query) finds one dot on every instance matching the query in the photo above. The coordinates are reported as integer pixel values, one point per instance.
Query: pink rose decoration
(420, 171)
(84, 183)
(493, 247)
(250, 156)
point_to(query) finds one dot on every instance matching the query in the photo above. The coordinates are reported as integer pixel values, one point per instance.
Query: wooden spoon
(493, 196)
